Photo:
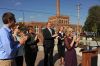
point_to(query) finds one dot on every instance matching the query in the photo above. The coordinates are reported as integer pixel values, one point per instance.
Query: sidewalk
(40, 57)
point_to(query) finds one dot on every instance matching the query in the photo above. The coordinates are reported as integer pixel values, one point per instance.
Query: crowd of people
(17, 43)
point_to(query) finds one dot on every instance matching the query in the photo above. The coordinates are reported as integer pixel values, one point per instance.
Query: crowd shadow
(55, 58)
(41, 62)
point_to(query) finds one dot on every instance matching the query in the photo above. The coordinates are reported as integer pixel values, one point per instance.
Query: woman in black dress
(61, 46)
(31, 47)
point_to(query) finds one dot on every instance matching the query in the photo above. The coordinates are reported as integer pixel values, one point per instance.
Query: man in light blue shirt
(8, 47)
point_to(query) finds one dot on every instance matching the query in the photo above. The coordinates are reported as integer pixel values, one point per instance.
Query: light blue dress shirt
(8, 47)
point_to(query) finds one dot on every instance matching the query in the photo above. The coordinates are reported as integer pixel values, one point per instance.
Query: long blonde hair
(69, 31)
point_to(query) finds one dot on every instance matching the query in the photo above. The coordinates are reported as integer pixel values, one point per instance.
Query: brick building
(57, 21)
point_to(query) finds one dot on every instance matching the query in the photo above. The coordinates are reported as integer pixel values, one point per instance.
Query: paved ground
(39, 60)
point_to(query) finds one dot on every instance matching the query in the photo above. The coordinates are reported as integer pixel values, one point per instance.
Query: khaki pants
(7, 63)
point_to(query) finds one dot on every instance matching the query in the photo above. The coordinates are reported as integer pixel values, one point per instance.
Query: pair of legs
(48, 56)
(61, 52)
(19, 61)
(30, 58)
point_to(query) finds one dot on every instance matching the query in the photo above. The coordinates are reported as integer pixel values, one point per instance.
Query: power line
(31, 11)
(39, 11)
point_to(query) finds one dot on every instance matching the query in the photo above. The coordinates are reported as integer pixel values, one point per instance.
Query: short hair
(6, 16)
(23, 29)
(60, 28)
(30, 27)
(48, 23)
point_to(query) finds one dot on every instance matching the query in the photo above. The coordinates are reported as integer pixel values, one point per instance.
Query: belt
(7, 59)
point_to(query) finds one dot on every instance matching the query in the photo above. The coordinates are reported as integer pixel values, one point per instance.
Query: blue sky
(41, 10)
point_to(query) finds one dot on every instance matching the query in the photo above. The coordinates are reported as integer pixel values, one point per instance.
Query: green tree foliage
(92, 22)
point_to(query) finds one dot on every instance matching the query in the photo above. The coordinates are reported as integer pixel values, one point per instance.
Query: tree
(92, 22)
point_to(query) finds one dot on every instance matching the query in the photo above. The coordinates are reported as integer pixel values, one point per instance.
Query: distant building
(57, 21)
(38, 26)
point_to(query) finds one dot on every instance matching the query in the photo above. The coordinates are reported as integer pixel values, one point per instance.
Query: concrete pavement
(40, 57)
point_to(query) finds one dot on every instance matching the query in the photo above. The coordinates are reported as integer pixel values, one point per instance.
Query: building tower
(58, 8)
(59, 20)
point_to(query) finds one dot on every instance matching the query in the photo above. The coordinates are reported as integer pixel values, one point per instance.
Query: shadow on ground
(55, 58)
(41, 63)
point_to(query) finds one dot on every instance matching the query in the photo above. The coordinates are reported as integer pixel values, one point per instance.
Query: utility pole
(78, 18)
(23, 16)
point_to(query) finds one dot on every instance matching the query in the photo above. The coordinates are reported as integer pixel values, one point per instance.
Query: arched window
(36, 29)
